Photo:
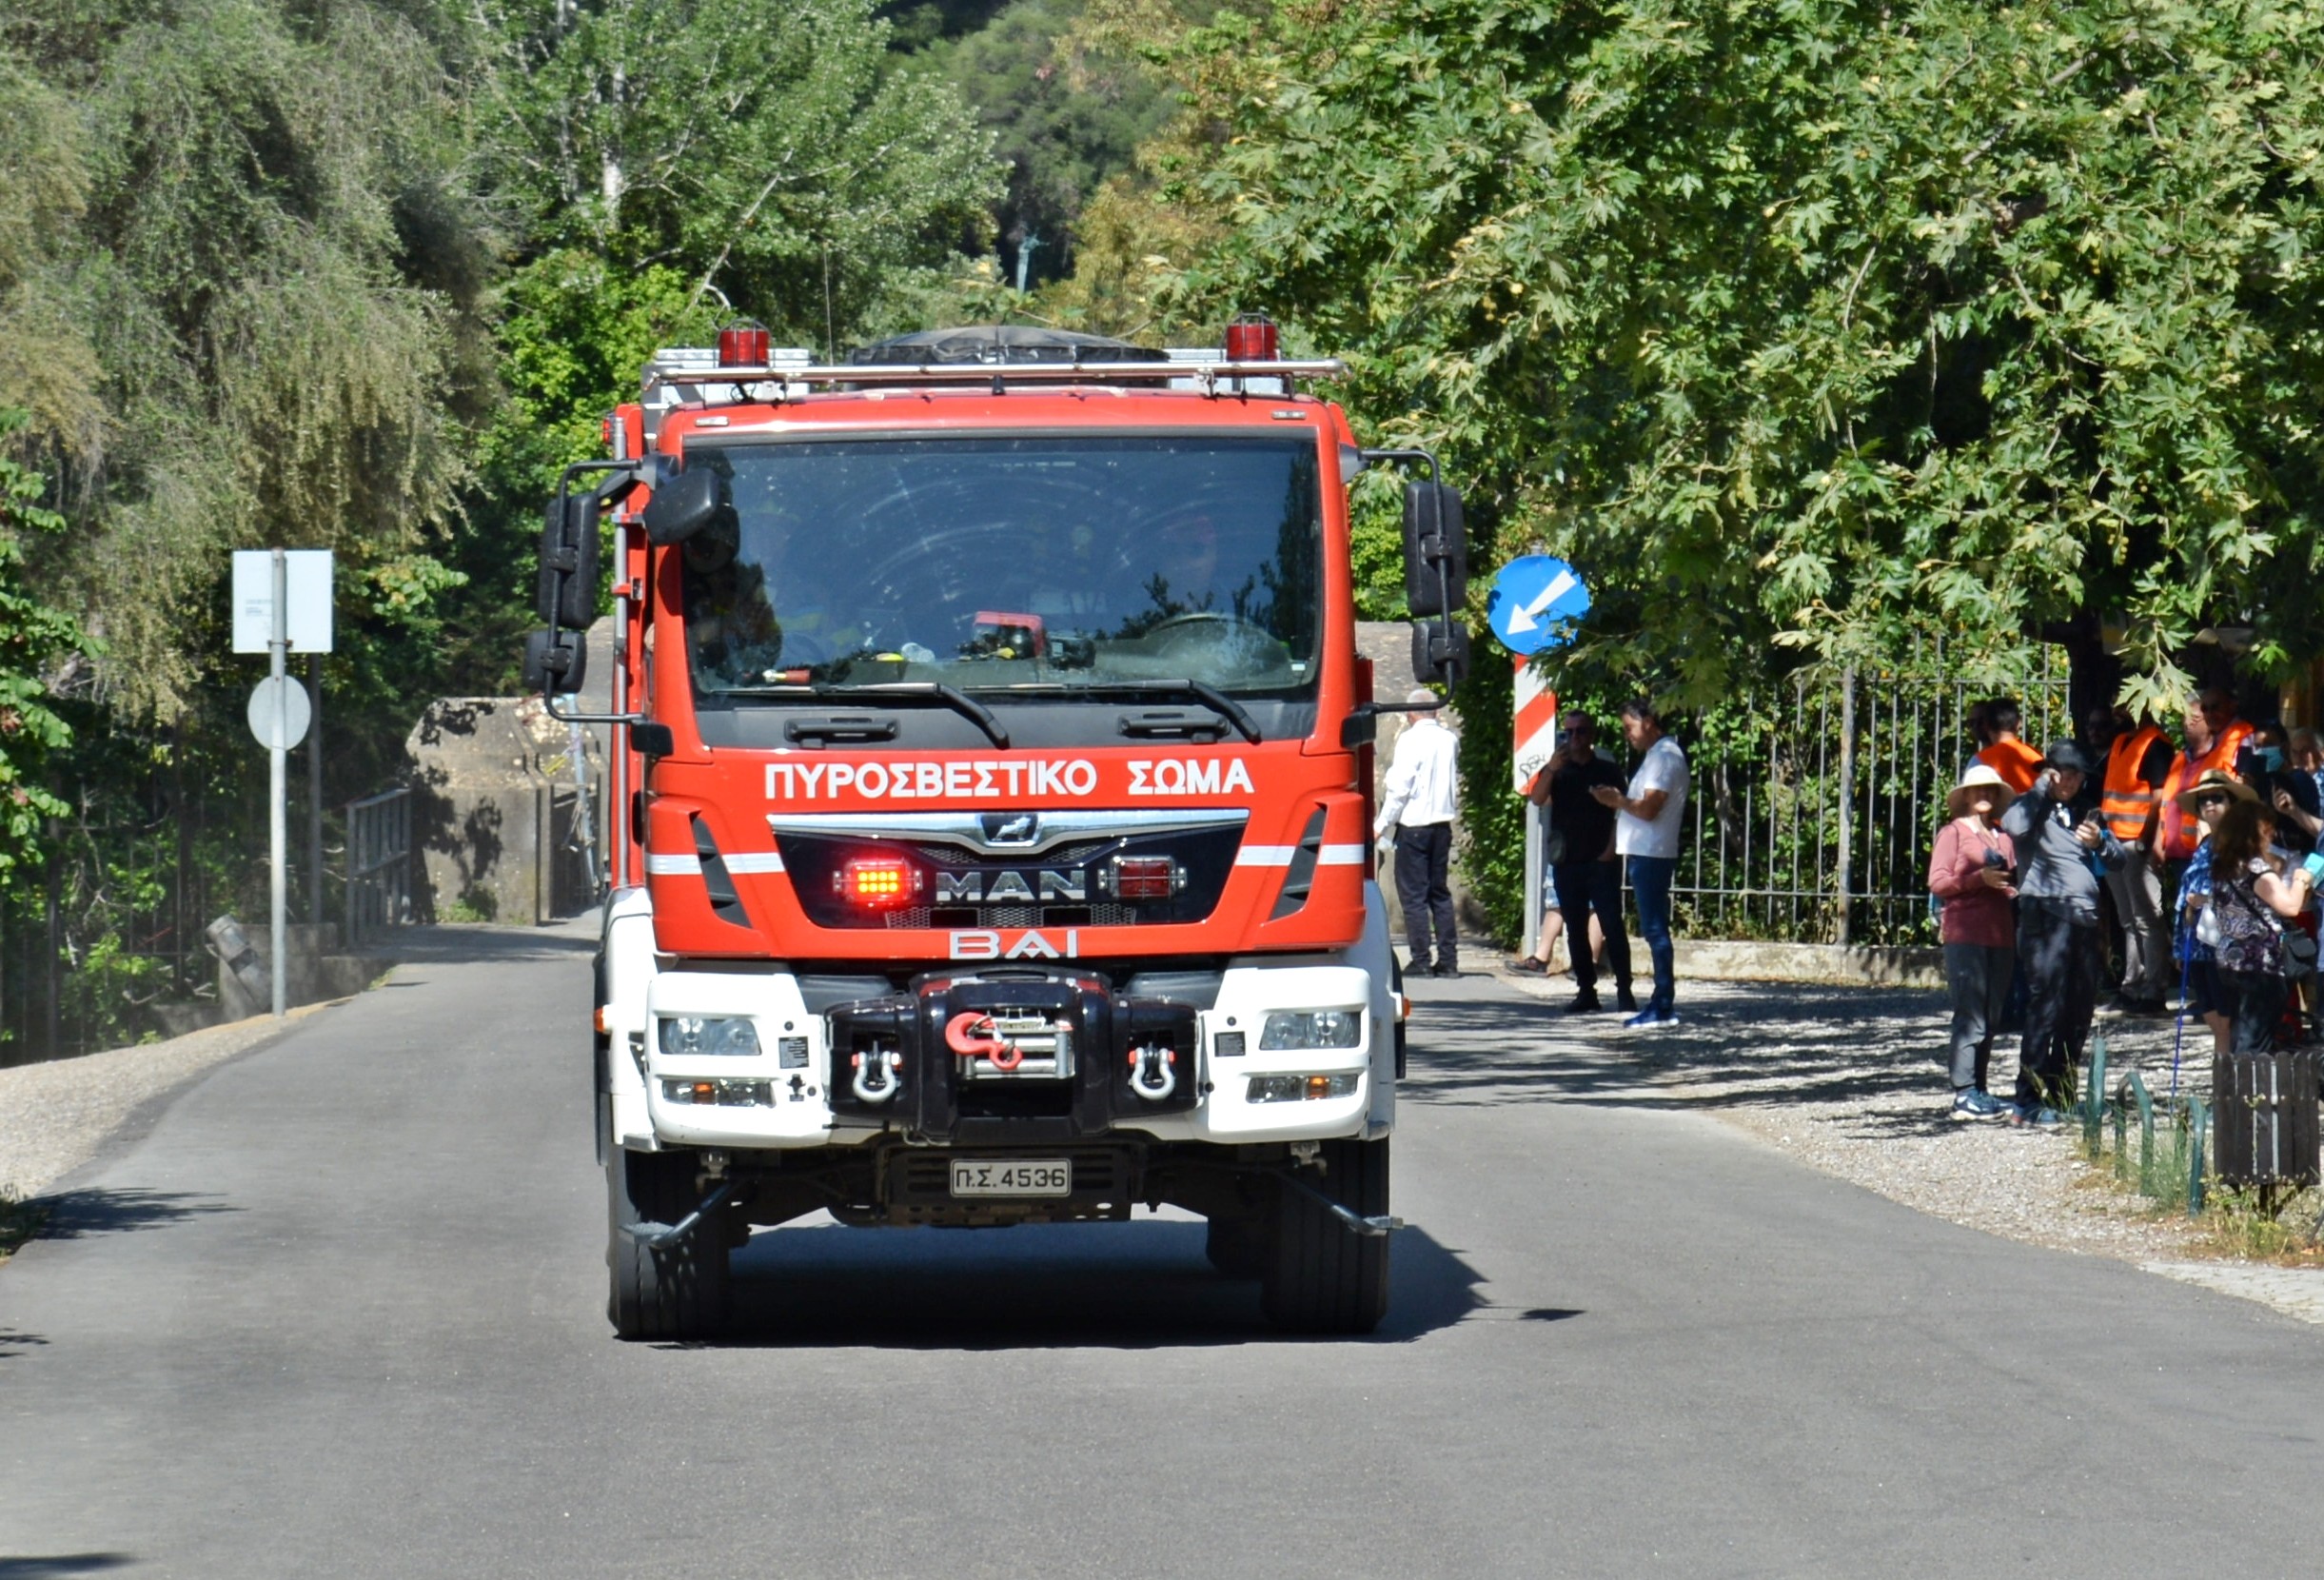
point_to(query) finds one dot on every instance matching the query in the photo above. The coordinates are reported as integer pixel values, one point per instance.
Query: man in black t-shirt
(1585, 871)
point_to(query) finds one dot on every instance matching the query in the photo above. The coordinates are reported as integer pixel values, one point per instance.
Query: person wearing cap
(1418, 813)
(1971, 871)
(2057, 927)
(2206, 801)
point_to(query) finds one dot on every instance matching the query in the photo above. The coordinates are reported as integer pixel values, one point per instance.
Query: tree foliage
(1066, 112)
(771, 151)
(1806, 327)
(252, 340)
(34, 636)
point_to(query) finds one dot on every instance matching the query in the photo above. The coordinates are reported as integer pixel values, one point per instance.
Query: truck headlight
(1288, 1029)
(687, 1036)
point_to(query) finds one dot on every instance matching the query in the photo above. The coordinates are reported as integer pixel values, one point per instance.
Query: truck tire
(670, 1291)
(1321, 1277)
(1237, 1246)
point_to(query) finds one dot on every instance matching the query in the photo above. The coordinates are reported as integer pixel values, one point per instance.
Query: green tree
(1808, 328)
(769, 151)
(1065, 113)
(35, 638)
(257, 254)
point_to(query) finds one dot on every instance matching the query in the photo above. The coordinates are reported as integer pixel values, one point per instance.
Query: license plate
(1012, 1176)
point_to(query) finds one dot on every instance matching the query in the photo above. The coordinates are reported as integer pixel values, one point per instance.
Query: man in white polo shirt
(1419, 811)
(1647, 834)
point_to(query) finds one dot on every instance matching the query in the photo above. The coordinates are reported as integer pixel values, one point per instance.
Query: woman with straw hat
(1972, 871)
(2208, 799)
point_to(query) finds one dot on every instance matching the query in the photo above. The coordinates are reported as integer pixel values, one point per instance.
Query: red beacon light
(743, 344)
(877, 882)
(1253, 337)
(1145, 877)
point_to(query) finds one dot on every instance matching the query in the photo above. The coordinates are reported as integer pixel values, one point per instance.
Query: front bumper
(1171, 1058)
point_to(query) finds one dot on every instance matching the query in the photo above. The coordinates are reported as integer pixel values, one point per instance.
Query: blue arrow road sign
(1535, 604)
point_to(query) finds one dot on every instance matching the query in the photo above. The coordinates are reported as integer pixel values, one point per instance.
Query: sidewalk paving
(1851, 1081)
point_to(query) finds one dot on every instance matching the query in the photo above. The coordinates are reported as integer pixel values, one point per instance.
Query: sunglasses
(2213, 800)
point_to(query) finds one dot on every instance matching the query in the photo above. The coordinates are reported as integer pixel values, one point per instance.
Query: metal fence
(377, 865)
(1812, 822)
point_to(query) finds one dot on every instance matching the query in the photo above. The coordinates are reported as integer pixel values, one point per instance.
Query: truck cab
(990, 836)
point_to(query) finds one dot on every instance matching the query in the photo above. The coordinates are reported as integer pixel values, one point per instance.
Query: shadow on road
(1132, 1285)
(1739, 1044)
(14, 1343)
(78, 1214)
(60, 1564)
(471, 942)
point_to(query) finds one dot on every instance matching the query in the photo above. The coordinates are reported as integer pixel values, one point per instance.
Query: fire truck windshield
(1050, 564)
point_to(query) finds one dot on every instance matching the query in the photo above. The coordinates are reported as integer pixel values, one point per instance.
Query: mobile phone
(2314, 866)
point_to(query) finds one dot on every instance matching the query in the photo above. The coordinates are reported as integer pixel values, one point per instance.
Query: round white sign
(295, 713)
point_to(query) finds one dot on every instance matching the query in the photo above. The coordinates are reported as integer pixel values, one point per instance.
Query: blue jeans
(1651, 878)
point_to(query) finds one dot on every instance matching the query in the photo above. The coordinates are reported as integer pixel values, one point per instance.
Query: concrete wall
(496, 804)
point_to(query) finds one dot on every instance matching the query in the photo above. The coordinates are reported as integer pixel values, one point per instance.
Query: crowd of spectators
(2159, 871)
(2192, 863)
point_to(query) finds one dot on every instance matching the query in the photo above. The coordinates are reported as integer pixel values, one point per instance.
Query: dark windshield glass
(998, 563)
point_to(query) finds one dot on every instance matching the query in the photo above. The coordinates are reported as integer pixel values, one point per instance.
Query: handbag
(2296, 953)
(2207, 927)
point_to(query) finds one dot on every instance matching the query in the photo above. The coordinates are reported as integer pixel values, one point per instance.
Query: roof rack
(687, 376)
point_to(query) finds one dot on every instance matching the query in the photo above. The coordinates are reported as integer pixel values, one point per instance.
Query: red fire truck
(990, 836)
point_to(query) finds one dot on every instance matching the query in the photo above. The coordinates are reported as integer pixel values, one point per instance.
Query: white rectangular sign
(308, 574)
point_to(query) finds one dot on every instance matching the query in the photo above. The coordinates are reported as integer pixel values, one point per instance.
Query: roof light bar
(1206, 369)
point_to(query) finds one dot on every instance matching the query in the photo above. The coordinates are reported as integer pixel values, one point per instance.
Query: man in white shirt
(1646, 832)
(1419, 812)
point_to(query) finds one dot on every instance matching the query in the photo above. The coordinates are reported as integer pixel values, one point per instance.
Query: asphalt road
(338, 1312)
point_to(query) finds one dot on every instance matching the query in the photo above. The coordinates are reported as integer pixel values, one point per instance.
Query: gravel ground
(56, 1116)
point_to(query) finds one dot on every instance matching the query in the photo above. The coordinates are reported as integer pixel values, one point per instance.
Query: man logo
(1008, 828)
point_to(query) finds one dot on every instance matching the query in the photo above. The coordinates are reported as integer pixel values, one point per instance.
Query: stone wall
(495, 807)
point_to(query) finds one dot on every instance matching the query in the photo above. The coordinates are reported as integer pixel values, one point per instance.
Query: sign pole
(314, 790)
(277, 808)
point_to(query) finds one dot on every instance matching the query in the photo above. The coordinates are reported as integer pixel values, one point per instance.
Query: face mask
(2271, 758)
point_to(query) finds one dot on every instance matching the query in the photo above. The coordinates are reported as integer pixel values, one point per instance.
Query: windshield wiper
(1202, 691)
(951, 696)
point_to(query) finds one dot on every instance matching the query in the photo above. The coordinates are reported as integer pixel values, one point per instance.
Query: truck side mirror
(554, 663)
(1440, 651)
(569, 557)
(684, 504)
(1435, 550)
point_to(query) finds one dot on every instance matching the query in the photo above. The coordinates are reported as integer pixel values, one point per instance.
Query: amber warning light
(875, 882)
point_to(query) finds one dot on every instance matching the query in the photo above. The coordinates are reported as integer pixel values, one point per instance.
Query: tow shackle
(1154, 1071)
(875, 1075)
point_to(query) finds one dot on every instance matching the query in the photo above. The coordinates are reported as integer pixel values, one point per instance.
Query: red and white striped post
(1535, 738)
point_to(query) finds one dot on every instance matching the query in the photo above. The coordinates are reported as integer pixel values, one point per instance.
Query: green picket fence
(2164, 1160)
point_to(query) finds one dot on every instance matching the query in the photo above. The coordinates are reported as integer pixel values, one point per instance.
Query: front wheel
(1321, 1275)
(669, 1292)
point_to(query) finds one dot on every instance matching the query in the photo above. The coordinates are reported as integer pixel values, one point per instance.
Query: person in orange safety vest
(2137, 766)
(2214, 734)
(2007, 755)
